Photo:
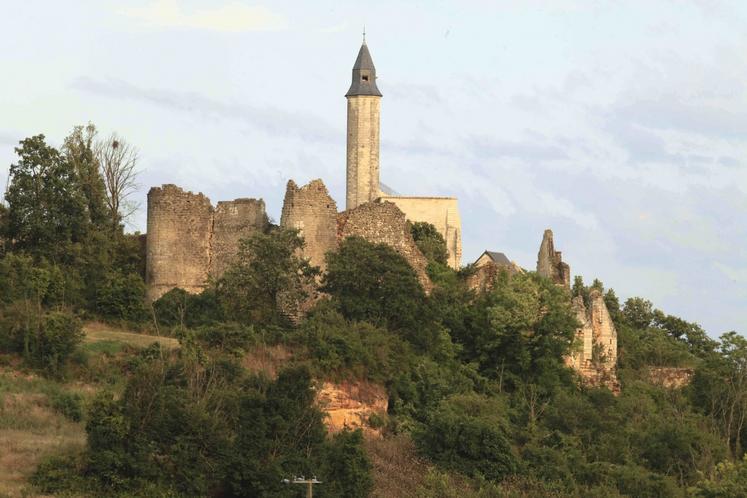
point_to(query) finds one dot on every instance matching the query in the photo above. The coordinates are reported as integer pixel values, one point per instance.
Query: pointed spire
(364, 73)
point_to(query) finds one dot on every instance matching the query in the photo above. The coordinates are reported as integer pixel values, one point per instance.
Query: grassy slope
(30, 428)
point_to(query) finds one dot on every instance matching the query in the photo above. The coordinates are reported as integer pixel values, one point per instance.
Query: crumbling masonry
(188, 241)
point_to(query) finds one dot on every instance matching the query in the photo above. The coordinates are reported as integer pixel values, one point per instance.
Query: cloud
(231, 17)
(270, 120)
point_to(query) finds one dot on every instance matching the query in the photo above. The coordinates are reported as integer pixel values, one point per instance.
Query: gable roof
(497, 257)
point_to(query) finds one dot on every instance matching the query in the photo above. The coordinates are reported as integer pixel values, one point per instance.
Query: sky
(622, 126)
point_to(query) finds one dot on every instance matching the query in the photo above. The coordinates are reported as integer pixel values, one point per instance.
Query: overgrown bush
(45, 339)
(122, 297)
(468, 433)
(178, 307)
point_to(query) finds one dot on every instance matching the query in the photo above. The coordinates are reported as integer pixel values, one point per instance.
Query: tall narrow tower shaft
(364, 112)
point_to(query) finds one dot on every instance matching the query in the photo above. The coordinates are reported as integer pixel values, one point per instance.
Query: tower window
(364, 77)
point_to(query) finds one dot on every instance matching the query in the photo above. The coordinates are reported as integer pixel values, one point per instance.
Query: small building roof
(497, 257)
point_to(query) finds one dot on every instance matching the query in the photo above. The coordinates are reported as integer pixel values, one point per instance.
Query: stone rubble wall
(189, 241)
(484, 276)
(233, 221)
(312, 211)
(671, 377)
(442, 213)
(550, 262)
(383, 222)
(597, 336)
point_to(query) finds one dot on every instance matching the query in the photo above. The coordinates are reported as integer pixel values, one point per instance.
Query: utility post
(308, 482)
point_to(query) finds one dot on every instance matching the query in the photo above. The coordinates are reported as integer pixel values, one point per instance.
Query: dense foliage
(476, 382)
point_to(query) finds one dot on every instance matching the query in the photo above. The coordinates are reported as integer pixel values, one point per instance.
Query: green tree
(47, 207)
(729, 480)
(520, 331)
(468, 433)
(266, 274)
(78, 149)
(430, 242)
(372, 283)
(638, 312)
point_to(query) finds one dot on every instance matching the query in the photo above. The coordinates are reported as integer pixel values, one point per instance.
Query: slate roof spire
(364, 74)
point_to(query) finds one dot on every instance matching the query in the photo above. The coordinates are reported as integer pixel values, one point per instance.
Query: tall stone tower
(364, 110)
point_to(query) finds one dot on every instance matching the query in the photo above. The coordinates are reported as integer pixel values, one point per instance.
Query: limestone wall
(363, 149)
(178, 240)
(441, 212)
(313, 212)
(671, 377)
(550, 262)
(383, 222)
(234, 220)
(188, 240)
(596, 341)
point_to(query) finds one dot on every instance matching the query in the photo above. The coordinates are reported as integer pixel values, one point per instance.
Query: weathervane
(364, 34)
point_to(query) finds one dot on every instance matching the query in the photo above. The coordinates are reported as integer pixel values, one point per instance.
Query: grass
(97, 332)
(30, 429)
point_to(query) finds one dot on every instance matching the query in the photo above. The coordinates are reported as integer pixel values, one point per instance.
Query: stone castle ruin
(189, 241)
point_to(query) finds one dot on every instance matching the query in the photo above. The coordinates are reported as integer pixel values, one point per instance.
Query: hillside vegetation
(214, 394)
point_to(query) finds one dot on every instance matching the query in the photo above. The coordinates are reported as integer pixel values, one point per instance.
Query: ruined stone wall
(188, 240)
(550, 262)
(442, 213)
(312, 211)
(178, 240)
(596, 355)
(234, 220)
(383, 222)
(364, 113)
(486, 272)
(671, 377)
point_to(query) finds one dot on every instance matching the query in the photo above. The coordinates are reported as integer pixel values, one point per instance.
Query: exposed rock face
(312, 211)
(188, 240)
(384, 222)
(670, 377)
(550, 263)
(351, 404)
(596, 356)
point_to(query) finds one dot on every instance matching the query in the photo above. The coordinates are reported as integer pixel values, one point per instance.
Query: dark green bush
(178, 307)
(45, 339)
(122, 297)
(68, 404)
(467, 433)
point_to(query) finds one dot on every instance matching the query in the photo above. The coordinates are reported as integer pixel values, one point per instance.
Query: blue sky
(620, 125)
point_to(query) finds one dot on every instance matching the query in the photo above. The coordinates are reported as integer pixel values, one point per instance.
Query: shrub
(178, 307)
(69, 405)
(122, 297)
(45, 339)
(467, 433)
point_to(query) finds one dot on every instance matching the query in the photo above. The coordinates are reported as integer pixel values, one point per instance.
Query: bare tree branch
(118, 161)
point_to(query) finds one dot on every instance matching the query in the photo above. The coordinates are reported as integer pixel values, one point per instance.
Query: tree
(638, 312)
(118, 162)
(373, 283)
(46, 205)
(720, 389)
(267, 272)
(78, 150)
(520, 332)
(430, 242)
